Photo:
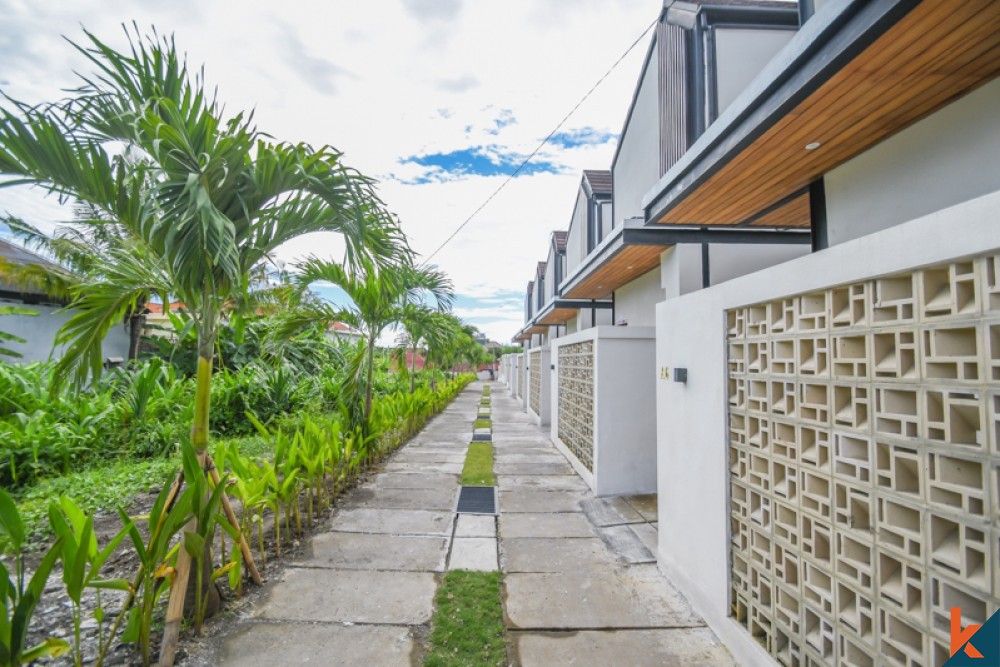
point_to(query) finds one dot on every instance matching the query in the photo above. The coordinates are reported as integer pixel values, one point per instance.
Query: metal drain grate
(482, 437)
(477, 500)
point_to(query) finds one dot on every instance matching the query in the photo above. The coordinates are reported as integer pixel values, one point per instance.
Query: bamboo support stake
(175, 607)
(231, 515)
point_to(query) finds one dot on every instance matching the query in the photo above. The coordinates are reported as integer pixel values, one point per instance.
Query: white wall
(948, 157)
(740, 56)
(692, 432)
(576, 240)
(624, 404)
(550, 274)
(728, 261)
(635, 303)
(39, 333)
(637, 166)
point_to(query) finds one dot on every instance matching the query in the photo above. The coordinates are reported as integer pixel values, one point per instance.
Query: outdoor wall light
(813, 146)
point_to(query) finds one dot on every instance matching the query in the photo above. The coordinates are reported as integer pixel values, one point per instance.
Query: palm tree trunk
(371, 374)
(413, 369)
(136, 323)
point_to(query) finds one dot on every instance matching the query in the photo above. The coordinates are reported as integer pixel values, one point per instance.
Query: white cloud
(365, 77)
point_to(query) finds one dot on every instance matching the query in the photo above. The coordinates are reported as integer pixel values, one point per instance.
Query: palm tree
(203, 200)
(380, 297)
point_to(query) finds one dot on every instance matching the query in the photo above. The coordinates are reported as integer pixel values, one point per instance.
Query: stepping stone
(586, 554)
(393, 522)
(564, 524)
(513, 468)
(625, 544)
(541, 483)
(360, 551)
(473, 553)
(355, 596)
(442, 498)
(695, 647)
(269, 644)
(426, 466)
(610, 512)
(646, 505)
(474, 525)
(540, 501)
(415, 480)
(633, 597)
(649, 535)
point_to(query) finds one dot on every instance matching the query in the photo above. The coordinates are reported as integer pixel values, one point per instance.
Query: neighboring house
(342, 331)
(39, 332)
(157, 323)
(826, 424)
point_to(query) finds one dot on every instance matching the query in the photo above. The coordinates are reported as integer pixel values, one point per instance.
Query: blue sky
(437, 99)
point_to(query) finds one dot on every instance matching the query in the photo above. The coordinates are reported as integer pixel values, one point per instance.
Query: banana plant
(17, 600)
(82, 561)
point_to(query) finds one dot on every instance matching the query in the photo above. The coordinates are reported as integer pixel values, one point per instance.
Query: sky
(439, 100)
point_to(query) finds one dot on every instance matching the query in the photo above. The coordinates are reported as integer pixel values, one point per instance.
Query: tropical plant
(82, 561)
(18, 601)
(379, 297)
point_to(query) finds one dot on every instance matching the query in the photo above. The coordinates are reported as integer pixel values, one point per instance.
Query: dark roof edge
(824, 44)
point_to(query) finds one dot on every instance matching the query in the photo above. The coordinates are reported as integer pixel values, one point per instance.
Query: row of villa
(779, 309)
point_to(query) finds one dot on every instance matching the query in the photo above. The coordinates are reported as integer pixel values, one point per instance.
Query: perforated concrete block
(865, 459)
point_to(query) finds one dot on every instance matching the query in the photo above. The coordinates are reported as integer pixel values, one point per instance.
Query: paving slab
(419, 457)
(475, 525)
(625, 544)
(645, 504)
(540, 501)
(351, 596)
(425, 466)
(539, 459)
(648, 534)
(441, 498)
(610, 511)
(541, 483)
(548, 524)
(269, 644)
(395, 522)
(633, 597)
(415, 480)
(682, 647)
(473, 553)
(361, 551)
(514, 468)
(583, 554)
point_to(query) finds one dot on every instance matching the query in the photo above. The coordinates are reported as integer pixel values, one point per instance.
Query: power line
(544, 141)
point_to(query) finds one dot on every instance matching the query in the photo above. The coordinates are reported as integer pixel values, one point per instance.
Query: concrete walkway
(580, 582)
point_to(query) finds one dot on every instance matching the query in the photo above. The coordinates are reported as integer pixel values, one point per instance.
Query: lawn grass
(478, 470)
(481, 423)
(467, 627)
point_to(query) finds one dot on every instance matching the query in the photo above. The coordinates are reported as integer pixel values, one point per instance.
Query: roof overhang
(856, 73)
(629, 252)
(559, 311)
(528, 331)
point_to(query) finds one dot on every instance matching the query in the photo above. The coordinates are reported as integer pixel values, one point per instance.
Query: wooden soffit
(851, 78)
(560, 311)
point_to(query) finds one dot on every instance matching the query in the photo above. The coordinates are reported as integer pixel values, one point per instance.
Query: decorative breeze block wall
(576, 400)
(535, 381)
(865, 465)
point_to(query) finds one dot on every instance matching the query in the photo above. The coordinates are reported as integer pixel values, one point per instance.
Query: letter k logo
(960, 636)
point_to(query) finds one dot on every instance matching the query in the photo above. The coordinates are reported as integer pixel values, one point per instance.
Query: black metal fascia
(666, 235)
(828, 47)
(599, 304)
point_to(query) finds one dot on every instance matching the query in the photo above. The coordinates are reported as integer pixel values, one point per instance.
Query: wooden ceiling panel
(793, 214)
(558, 316)
(623, 267)
(940, 50)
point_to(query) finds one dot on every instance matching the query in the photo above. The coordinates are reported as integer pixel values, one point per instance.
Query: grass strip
(481, 423)
(478, 470)
(467, 626)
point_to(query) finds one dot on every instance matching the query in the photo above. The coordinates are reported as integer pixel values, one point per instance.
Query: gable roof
(559, 239)
(599, 181)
